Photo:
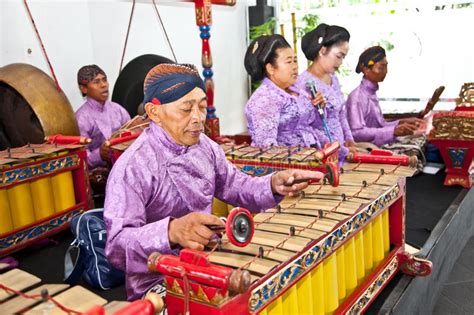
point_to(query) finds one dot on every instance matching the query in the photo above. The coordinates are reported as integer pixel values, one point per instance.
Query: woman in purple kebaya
(278, 113)
(327, 46)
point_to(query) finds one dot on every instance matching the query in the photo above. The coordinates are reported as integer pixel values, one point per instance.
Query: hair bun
(259, 54)
(322, 36)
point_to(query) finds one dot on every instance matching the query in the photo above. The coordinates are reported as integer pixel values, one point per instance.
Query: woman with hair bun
(278, 113)
(327, 46)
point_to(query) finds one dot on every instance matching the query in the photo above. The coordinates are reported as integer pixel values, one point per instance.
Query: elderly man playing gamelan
(160, 191)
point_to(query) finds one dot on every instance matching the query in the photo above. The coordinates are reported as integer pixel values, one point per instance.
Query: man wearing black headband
(363, 109)
(160, 191)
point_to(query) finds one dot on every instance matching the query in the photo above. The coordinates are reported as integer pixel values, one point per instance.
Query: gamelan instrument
(382, 157)
(125, 136)
(329, 250)
(32, 107)
(453, 134)
(239, 227)
(42, 187)
(24, 293)
(257, 161)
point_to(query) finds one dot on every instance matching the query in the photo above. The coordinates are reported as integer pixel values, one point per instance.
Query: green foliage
(310, 22)
(387, 45)
(344, 71)
(267, 28)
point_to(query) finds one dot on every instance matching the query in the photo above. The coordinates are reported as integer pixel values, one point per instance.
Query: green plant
(267, 28)
(310, 21)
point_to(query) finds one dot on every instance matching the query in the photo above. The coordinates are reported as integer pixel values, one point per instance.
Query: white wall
(430, 48)
(80, 32)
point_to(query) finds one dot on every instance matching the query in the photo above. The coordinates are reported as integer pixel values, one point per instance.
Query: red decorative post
(204, 21)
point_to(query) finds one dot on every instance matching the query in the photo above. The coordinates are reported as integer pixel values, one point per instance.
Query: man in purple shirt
(363, 109)
(160, 191)
(98, 117)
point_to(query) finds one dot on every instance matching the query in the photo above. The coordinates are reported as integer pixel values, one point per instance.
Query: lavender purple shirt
(157, 179)
(98, 122)
(334, 111)
(365, 116)
(275, 117)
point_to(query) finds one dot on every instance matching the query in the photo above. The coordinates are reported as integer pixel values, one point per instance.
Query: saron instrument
(330, 250)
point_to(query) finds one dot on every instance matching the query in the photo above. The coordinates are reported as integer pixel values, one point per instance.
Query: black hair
(87, 74)
(323, 36)
(369, 57)
(262, 51)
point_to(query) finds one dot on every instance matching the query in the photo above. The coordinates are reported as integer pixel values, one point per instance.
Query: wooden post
(204, 21)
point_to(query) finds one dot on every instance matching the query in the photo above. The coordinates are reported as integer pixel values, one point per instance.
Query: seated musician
(160, 191)
(326, 47)
(98, 117)
(278, 113)
(363, 109)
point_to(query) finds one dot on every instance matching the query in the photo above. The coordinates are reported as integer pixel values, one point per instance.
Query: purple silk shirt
(365, 116)
(98, 122)
(155, 180)
(275, 117)
(334, 111)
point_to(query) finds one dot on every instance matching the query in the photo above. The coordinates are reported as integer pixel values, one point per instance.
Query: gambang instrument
(42, 187)
(331, 249)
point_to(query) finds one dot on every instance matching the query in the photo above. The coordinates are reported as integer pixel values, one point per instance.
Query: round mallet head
(332, 174)
(239, 227)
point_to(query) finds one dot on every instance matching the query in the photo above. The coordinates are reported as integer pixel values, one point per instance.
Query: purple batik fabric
(98, 122)
(365, 116)
(275, 117)
(334, 111)
(157, 179)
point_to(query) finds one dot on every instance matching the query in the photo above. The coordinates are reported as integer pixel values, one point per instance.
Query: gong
(32, 107)
(128, 89)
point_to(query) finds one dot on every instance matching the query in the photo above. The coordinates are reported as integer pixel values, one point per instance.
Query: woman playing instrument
(160, 191)
(363, 109)
(327, 46)
(278, 113)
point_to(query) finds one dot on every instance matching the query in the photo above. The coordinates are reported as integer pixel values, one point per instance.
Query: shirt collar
(369, 86)
(96, 105)
(161, 138)
(277, 89)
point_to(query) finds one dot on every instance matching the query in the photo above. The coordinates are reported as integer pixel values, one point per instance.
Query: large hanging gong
(31, 107)
(128, 89)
